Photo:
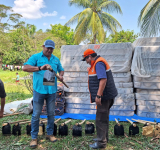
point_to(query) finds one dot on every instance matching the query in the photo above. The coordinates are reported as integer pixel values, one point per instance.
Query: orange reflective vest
(110, 91)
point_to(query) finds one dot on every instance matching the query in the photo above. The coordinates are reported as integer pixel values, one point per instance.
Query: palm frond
(73, 19)
(82, 27)
(80, 3)
(92, 24)
(145, 10)
(93, 20)
(109, 22)
(100, 29)
(110, 6)
(84, 13)
(150, 23)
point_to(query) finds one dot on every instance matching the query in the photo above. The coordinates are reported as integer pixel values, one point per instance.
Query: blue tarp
(93, 117)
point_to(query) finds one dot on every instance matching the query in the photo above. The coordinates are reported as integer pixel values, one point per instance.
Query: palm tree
(149, 19)
(94, 19)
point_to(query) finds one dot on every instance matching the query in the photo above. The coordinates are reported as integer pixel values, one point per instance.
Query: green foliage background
(122, 36)
(20, 40)
(14, 91)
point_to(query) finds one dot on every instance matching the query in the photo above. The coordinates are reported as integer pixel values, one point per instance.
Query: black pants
(102, 121)
(2, 90)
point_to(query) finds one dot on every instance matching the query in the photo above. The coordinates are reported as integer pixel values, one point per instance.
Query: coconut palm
(94, 19)
(148, 20)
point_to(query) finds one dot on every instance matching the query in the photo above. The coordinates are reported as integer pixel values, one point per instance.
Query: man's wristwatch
(98, 96)
(39, 67)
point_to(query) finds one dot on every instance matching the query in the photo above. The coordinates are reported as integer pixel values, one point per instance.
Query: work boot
(51, 138)
(33, 143)
(96, 146)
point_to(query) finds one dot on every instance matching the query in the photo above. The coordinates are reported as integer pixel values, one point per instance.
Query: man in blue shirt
(38, 64)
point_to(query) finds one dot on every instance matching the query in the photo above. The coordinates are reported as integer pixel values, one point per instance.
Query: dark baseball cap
(49, 43)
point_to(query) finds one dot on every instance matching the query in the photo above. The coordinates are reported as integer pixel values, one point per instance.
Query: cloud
(30, 9)
(63, 17)
(45, 24)
(51, 14)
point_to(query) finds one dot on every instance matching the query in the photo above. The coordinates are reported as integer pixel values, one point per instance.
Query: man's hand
(61, 78)
(98, 101)
(45, 67)
(88, 69)
(1, 114)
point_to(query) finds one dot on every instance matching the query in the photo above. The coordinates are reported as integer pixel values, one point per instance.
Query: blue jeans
(38, 101)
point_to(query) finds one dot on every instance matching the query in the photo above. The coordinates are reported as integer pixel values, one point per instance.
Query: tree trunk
(94, 38)
(0, 62)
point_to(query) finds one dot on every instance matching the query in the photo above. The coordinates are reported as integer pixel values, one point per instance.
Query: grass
(19, 92)
(69, 142)
(14, 91)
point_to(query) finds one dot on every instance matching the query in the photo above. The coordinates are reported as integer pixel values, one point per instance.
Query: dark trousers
(102, 121)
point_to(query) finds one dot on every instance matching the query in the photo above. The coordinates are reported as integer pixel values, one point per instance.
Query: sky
(42, 13)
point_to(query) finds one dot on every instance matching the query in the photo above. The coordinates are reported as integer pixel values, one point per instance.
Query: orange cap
(87, 52)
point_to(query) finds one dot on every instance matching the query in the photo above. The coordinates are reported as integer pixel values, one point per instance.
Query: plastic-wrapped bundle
(118, 56)
(146, 71)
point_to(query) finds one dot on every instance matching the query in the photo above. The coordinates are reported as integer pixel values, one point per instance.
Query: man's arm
(102, 76)
(61, 73)
(102, 85)
(31, 64)
(29, 68)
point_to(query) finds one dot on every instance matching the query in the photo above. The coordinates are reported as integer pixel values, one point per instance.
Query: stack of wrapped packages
(146, 75)
(119, 57)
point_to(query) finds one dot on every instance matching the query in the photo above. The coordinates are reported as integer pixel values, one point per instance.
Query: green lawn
(13, 91)
(19, 92)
